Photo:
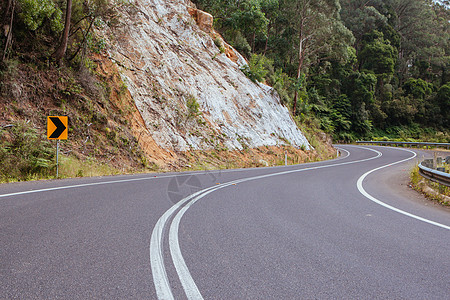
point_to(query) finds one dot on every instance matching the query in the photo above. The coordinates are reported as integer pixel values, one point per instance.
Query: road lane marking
(141, 179)
(184, 275)
(191, 290)
(88, 184)
(116, 181)
(160, 278)
(361, 189)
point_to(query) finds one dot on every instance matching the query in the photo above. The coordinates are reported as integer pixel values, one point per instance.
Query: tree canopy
(357, 67)
(354, 68)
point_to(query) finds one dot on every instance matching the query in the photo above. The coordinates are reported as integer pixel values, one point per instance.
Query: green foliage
(219, 45)
(24, 154)
(361, 87)
(413, 132)
(34, 13)
(258, 67)
(239, 42)
(400, 110)
(418, 88)
(443, 101)
(282, 83)
(443, 96)
(341, 114)
(379, 75)
(37, 27)
(193, 107)
(378, 55)
(249, 18)
(361, 18)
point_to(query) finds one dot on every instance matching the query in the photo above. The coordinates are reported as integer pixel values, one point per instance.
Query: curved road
(347, 228)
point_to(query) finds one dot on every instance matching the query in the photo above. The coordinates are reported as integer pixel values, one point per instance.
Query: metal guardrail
(416, 144)
(434, 175)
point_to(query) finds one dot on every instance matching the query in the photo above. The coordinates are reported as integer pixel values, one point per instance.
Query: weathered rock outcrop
(189, 93)
(203, 19)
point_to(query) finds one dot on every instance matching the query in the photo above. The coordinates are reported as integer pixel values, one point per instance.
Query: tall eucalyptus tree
(318, 32)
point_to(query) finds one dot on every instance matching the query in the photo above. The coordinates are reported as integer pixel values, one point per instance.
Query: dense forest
(355, 68)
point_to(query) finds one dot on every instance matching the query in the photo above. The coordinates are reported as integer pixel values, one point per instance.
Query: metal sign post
(57, 158)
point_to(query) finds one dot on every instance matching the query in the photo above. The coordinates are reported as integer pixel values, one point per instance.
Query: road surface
(347, 228)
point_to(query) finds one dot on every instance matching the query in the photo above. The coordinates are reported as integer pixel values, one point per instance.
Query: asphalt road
(340, 229)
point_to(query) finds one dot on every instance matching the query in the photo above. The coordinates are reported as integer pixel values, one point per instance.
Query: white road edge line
(135, 179)
(88, 184)
(361, 189)
(113, 181)
(156, 255)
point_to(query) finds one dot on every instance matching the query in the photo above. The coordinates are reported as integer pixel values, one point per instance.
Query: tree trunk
(299, 70)
(8, 28)
(82, 44)
(5, 16)
(266, 45)
(253, 42)
(61, 51)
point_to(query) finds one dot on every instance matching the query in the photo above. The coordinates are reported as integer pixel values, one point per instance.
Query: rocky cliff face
(191, 93)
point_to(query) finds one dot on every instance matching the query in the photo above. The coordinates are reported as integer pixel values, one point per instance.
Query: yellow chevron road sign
(57, 127)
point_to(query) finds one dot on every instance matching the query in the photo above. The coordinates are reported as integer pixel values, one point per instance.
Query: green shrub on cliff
(24, 154)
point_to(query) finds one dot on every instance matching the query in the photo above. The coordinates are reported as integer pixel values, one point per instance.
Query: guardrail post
(435, 160)
(441, 189)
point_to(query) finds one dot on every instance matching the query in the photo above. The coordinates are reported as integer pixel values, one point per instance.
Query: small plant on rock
(193, 107)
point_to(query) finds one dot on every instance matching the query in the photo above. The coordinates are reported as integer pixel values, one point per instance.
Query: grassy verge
(26, 154)
(431, 190)
(263, 156)
(317, 139)
(74, 167)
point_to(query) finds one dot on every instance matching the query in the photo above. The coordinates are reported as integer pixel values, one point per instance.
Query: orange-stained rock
(231, 54)
(229, 51)
(193, 12)
(204, 21)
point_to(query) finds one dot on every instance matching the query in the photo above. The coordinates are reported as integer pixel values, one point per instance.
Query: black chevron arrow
(59, 128)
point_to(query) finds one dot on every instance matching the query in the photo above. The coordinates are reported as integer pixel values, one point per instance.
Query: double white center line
(160, 278)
